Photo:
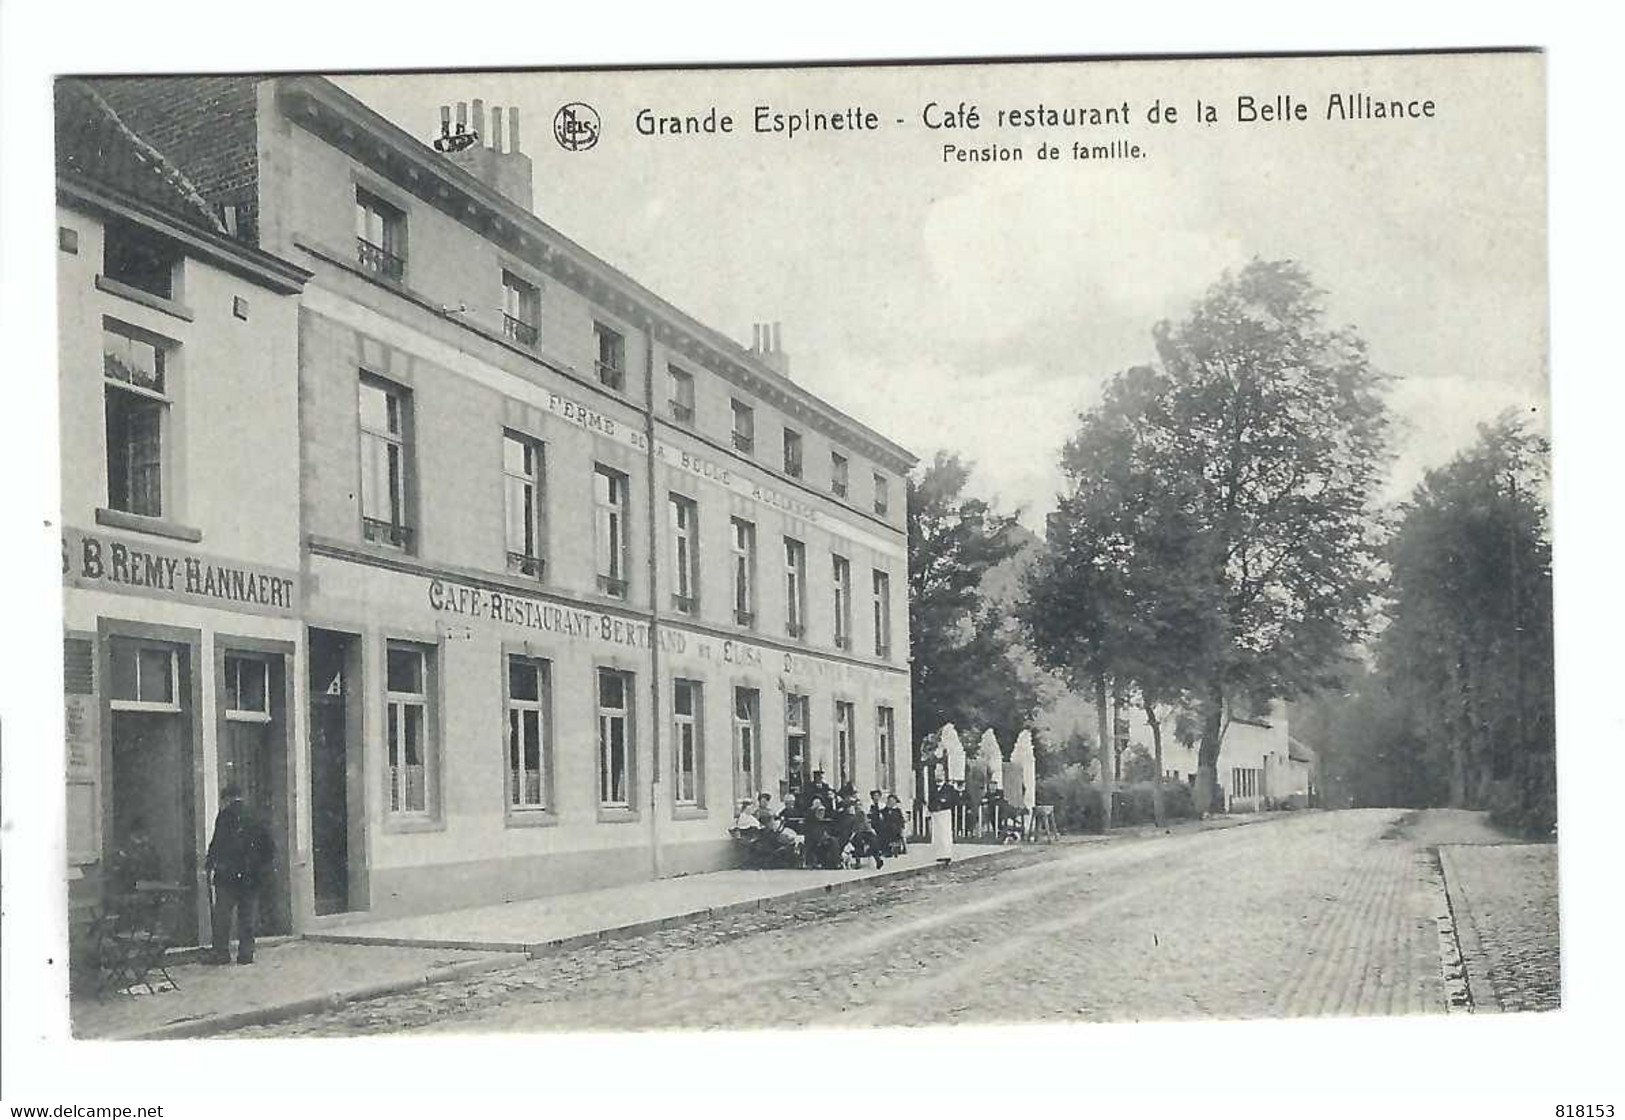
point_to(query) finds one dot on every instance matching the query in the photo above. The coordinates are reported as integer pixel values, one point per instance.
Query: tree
(1218, 537)
(1113, 603)
(1275, 437)
(965, 669)
(1470, 642)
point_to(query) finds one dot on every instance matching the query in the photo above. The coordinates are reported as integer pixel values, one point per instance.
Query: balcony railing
(520, 331)
(882, 508)
(375, 258)
(612, 376)
(792, 467)
(685, 604)
(744, 443)
(386, 533)
(838, 488)
(682, 413)
(744, 618)
(610, 585)
(527, 565)
(795, 629)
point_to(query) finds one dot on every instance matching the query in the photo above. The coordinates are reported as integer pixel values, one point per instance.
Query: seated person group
(823, 828)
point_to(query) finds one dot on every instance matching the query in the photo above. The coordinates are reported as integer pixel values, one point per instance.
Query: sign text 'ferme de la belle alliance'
(107, 562)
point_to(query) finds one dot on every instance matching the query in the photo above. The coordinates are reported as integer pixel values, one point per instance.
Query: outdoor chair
(132, 936)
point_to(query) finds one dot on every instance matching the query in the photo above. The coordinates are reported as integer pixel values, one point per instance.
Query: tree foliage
(967, 668)
(1469, 647)
(1218, 535)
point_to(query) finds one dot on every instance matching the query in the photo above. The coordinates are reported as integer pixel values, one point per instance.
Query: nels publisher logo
(576, 126)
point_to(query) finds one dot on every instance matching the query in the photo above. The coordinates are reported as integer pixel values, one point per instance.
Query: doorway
(151, 796)
(332, 696)
(253, 754)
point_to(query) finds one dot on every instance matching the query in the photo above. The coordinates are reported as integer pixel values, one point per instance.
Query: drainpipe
(656, 719)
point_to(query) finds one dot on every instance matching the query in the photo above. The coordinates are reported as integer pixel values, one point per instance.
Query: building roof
(1299, 751)
(93, 143)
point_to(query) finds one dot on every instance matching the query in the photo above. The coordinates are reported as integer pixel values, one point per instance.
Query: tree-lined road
(1311, 914)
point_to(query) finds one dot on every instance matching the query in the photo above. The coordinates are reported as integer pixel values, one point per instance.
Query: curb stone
(1479, 988)
(204, 1025)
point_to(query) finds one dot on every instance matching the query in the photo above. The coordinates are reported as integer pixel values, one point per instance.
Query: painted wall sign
(459, 602)
(339, 309)
(130, 566)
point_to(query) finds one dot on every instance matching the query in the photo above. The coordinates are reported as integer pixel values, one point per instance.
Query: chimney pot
(778, 338)
(756, 337)
(462, 116)
(445, 119)
(477, 117)
(513, 128)
(496, 128)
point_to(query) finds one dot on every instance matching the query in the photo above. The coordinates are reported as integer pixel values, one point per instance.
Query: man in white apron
(944, 800)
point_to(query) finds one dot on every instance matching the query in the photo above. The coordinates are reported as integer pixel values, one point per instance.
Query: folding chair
(137, 937)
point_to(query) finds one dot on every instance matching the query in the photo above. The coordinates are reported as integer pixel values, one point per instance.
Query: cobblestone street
(1317, 914)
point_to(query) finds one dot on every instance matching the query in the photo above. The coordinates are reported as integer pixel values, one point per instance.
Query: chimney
(767, 344)
(505, 170)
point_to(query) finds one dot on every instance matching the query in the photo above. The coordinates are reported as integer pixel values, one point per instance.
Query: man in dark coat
(239, 858)
(818, 790)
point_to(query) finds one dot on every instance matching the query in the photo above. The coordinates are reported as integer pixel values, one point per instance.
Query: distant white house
(1259, 758)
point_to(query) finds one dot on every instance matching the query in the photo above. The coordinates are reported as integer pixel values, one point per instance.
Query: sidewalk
(537, 926)
(364, 960)
(286, 979)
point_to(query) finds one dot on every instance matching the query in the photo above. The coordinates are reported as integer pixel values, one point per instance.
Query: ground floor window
(614, 739)
(747, 731)
(687, 743)
(1244, 782)
(409, 741)
(885, 738)
(845, 748)
(528, 733)
(795, 742)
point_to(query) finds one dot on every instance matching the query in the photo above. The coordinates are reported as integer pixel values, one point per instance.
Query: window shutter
(78, 667)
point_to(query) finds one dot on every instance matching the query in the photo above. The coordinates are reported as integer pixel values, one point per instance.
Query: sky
(978, 307)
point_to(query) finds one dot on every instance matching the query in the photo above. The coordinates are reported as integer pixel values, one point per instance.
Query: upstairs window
(611, 357)
(609, 488)
(141, 260)
(522, 465)
(882, 495)
(795, 588)
(380, 236)
(837, 474)
(792, 453)
(137, 407)
(744, 433)
(680, 394)
(521, 309)
(843, 602)
(385, 463)
(685, 552)
(744, 572)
